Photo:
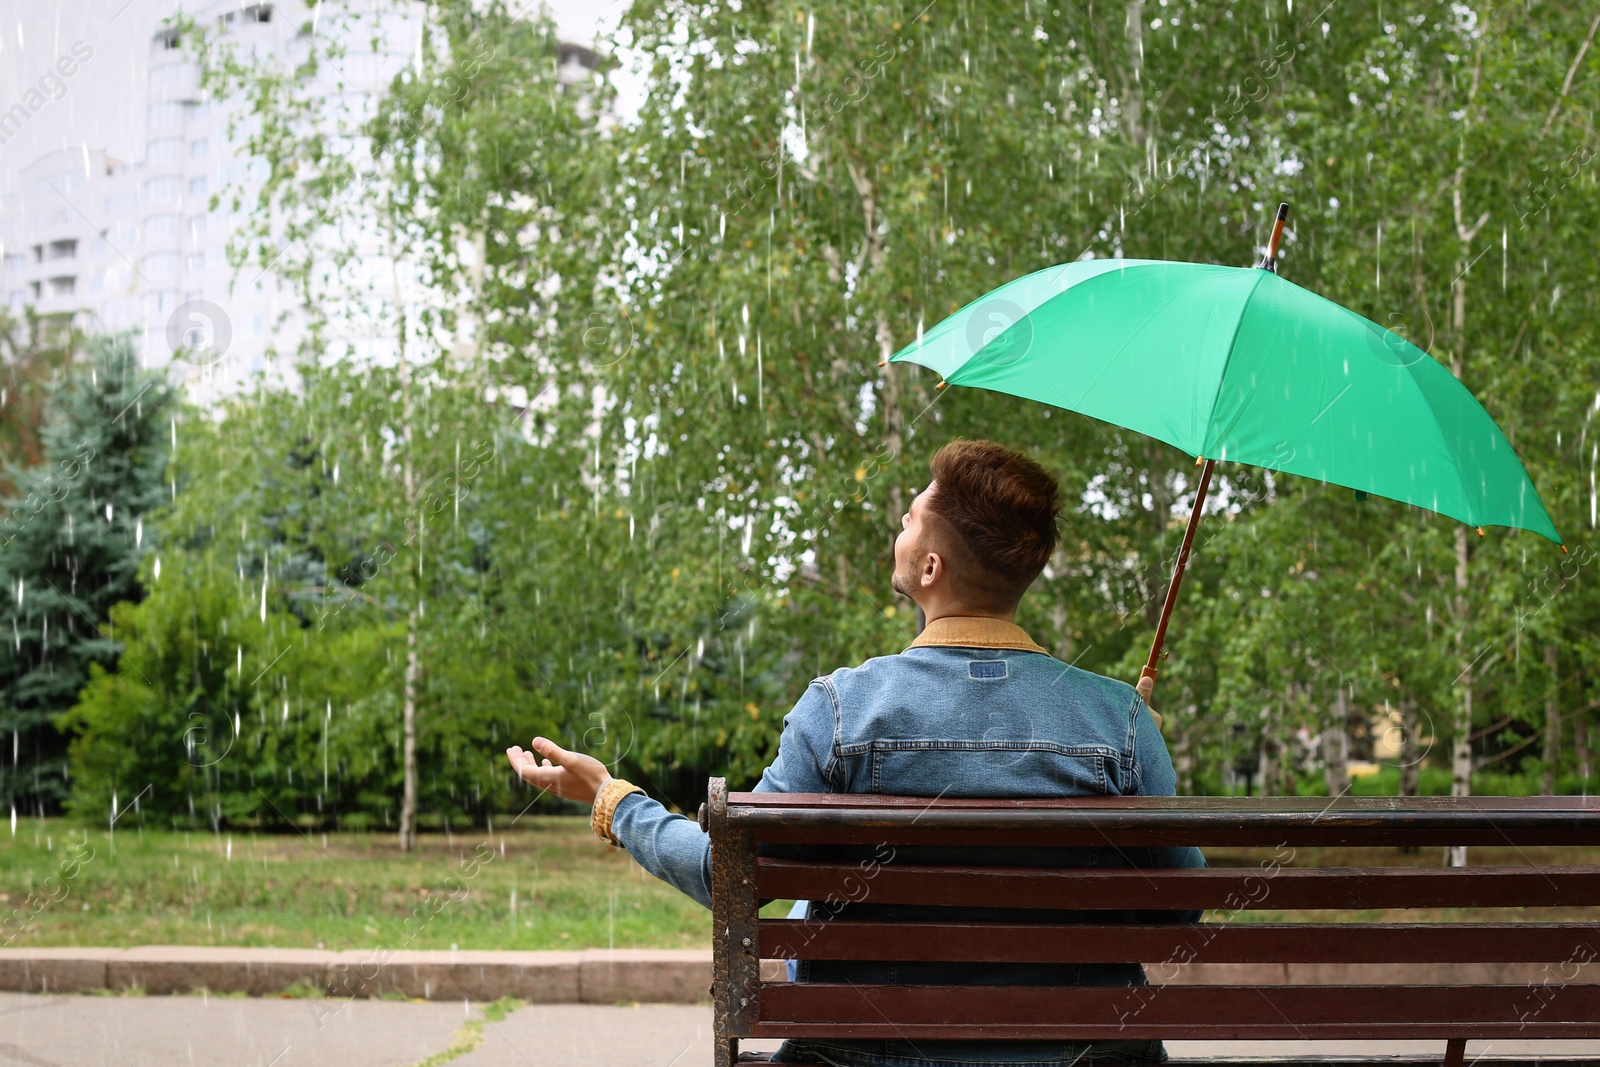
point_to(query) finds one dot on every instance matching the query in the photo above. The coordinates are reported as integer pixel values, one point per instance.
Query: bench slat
(1397, 1060)
(1473, 1012)
(1090, 836)
(1228, 889)
(1163, 821)
(741, 805)
(845, 939)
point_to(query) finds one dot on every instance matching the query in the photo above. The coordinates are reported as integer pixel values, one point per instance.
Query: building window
(198, 148)
(160, 303)
(172, 78)
(67, 181)
(167, 115)
(165, 150)
(161, 228)
(16, 261)
(35, 289)
(122, 203)
(197, 262)
(197, 186)
(161, 190)
(159, 266)
(65, 249)
(197, 228)
(64, 285)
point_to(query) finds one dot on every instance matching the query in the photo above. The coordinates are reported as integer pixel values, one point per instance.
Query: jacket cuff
(605, 806)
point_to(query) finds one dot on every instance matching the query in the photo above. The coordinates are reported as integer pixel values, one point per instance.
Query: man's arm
(1154, 776)
(673, 847)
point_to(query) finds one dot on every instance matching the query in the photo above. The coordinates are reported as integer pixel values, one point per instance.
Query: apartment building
(137, 245)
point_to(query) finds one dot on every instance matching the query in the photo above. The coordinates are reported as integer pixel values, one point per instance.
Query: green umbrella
(1236, 363)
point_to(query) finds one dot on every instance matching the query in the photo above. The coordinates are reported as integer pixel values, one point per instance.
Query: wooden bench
(1564, 1003)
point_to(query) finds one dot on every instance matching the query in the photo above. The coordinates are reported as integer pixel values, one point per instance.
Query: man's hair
(1000, 508)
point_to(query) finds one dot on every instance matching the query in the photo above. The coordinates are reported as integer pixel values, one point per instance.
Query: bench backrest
(1561, 1007)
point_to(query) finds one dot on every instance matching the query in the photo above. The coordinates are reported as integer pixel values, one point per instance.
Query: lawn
(546, 883)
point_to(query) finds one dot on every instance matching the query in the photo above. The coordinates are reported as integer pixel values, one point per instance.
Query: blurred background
(385, 383)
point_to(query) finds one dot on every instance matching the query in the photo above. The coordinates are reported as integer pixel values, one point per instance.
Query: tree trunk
(1062, 633)
(872, 257)
(1580, 747)
(408, 795)
(1336, 747)
(408, 713)
(1410, 749)
(1461, 756)
(1161, 497)
(1552, 720)
(892, 435)
(1461, 752)
(1133, 91)
(1182, 755)
(1268, 770)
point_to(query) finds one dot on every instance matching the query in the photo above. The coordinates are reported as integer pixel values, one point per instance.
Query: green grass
(470, 1035)
(340, 890)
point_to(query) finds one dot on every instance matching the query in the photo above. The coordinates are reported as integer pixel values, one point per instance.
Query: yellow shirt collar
(975, 631)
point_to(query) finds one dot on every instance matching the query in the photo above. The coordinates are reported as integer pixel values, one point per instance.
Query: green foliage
(629, 475)
(73, 535)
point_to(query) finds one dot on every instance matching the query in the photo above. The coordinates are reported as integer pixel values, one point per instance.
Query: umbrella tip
(1198, 460)
(941, 385)
(1270, 260)
(1564, 551)
(883, 363)
(1480, 531)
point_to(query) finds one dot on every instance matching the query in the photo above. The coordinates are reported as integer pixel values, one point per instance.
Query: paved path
(79, 1030)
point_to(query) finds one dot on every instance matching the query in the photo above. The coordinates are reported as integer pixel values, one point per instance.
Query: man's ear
(932, 569)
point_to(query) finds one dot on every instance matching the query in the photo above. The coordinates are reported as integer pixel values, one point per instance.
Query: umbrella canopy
(1236, 363)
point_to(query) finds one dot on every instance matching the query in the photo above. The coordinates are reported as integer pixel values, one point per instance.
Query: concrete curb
(590, 976)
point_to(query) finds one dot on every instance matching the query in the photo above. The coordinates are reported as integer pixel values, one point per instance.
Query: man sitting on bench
(973, 708)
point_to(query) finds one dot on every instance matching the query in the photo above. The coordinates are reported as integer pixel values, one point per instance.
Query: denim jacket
(972, 708)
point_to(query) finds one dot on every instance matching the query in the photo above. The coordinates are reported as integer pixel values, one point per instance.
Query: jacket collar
(975, 631)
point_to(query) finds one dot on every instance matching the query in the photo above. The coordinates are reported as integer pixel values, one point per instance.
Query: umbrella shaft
(1177, 570)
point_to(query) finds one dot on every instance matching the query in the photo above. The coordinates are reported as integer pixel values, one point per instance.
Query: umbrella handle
(1147, 677)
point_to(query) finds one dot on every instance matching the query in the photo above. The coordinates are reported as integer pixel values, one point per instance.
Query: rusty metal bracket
(735, 948)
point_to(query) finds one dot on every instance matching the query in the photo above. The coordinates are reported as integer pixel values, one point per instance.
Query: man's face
(910, 545)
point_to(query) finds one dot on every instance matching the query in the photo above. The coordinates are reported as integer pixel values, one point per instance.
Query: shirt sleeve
(1153, 776)
(674, 848)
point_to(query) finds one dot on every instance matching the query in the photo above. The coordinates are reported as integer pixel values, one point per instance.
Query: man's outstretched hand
(569, 775)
